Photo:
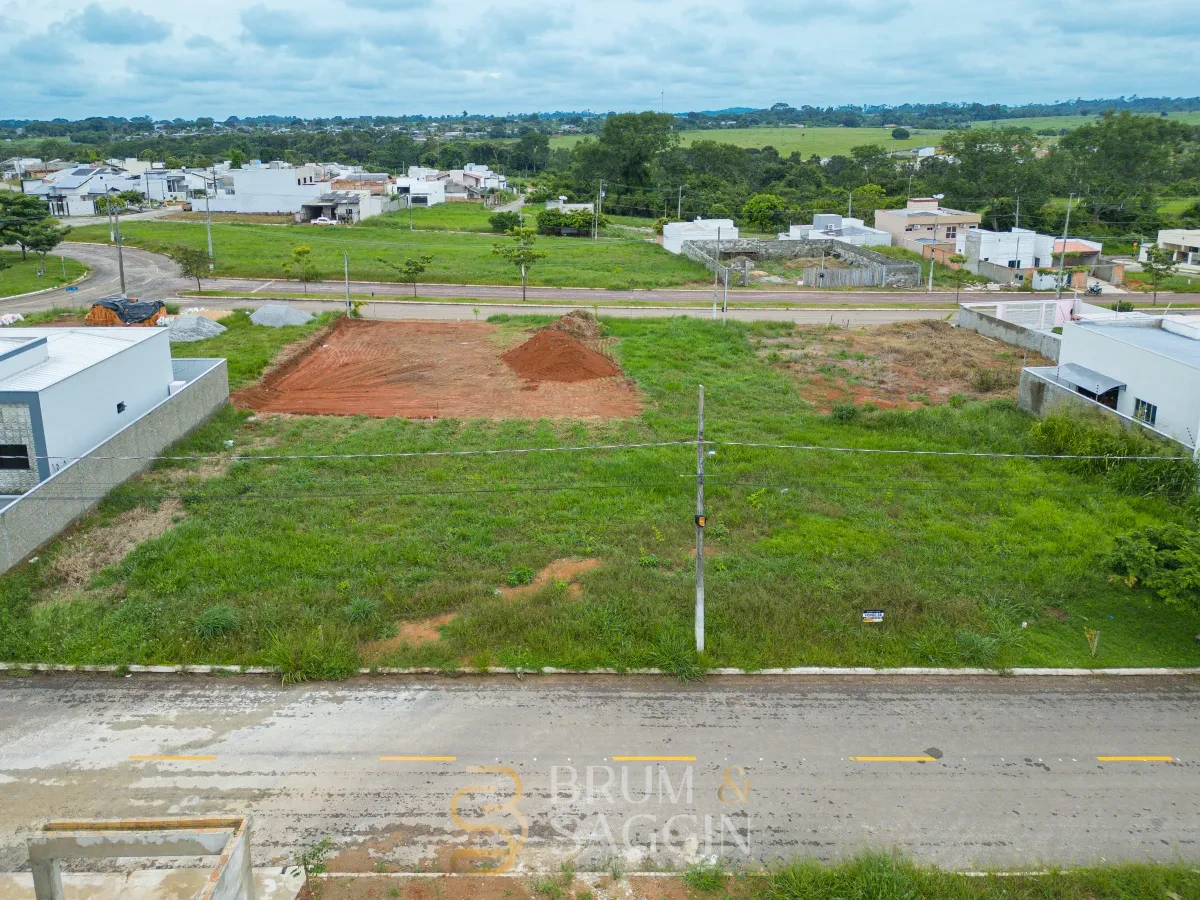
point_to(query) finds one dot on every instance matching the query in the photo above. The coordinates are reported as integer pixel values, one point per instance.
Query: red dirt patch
(900, 366)
(428, 370)
(414, 634)
(553, 355)
(567, 570)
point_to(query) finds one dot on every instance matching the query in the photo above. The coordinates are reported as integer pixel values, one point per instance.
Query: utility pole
(410, 224)
(679, 206)
(346, 268)
(208, 223)
(700, 523)
(120, 254)
(1062, 257)
(1017, 224)
(725, 296)
(850, 214)
(716, 273)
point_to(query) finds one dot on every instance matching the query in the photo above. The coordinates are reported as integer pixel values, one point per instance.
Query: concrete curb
(534, 306)
(84, 277)
(800, 671)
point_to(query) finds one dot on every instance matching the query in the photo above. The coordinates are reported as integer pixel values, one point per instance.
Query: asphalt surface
(966, 773)
(154, 277)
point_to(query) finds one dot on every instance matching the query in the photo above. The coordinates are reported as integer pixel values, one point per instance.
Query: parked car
(322, 220)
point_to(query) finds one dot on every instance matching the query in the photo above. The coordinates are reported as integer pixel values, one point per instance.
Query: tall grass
(323, 558)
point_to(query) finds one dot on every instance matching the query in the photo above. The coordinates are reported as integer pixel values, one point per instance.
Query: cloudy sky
(353, 57)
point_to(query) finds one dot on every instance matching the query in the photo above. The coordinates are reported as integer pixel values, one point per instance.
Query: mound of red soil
(552, 355)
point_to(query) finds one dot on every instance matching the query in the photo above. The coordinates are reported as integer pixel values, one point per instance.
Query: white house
(347, 206)
(1184, 244)
(1023, 252)
(65, 390)
(418, 191)
(1147, 369)
(839, 228)
(424, 173)
(561, 203)
(675, 233)
(273, 188)
(73, 191)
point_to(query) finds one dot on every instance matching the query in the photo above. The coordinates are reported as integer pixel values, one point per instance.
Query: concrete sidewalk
(272, 883)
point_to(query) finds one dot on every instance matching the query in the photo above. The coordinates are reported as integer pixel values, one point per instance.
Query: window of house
(1012, 263)
(1145, 412)
(951, 231)
(14, 456)
(121, 407)
(910, 227)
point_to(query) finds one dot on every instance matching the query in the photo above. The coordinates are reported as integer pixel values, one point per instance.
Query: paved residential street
(151, 276)
(964, 772)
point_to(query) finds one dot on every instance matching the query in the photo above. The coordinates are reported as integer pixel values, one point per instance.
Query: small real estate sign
(872, 616)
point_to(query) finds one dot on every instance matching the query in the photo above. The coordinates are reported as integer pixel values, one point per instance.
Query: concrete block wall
(38, 516)
(1039, 394)
(899, 274)
(1045, 343)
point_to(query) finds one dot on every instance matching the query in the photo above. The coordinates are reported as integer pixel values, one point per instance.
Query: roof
(334, 198)
(1082, 376)
(70, 351)
(1075, 247)
(1153, 339)
(941, 211)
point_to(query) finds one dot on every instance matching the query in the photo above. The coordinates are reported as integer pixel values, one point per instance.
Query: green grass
(247, 347)
(21, 277)
(259, 252)
(879, 877)
(943, 275)
(958, 551)
(456, 216)
(806, 141)
(1181, 283)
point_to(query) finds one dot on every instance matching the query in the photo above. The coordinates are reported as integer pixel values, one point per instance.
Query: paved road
(827, 767)
(157, 277)
(148, 276)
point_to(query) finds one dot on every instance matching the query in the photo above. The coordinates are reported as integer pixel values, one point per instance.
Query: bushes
(501, 222)
(1091, 435)
(1166, 559)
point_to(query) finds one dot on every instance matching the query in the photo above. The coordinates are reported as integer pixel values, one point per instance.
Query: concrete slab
(152, 884)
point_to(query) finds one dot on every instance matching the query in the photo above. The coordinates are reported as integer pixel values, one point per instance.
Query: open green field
(1038, 123)
(260, 251)
(806, 141)
(21, 277)
(317, 565)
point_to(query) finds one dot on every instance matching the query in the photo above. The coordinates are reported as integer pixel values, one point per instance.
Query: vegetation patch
(973, 559)
(20, 276)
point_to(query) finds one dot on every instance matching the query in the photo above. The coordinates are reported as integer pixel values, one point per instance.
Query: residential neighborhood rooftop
(1153, 337)
(68, 352)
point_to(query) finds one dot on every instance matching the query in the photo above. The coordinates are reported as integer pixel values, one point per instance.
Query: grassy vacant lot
(873, 876)
(259, 252)
(805, 141)
(322, 565)
(21, 277)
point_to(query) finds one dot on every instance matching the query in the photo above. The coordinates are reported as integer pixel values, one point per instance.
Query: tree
(131, 197)
(1159, 263)
(957, 273)
(501, 222)
(627, 146)
(410, 270)
(44, 237)
(762, 211)
(521, 252)
(900, 134)
(236, 159)
(300, 267)
(192, 262)
(20, 215)
(531, 151)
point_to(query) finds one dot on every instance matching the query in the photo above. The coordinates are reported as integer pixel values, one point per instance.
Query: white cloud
(353, 57)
